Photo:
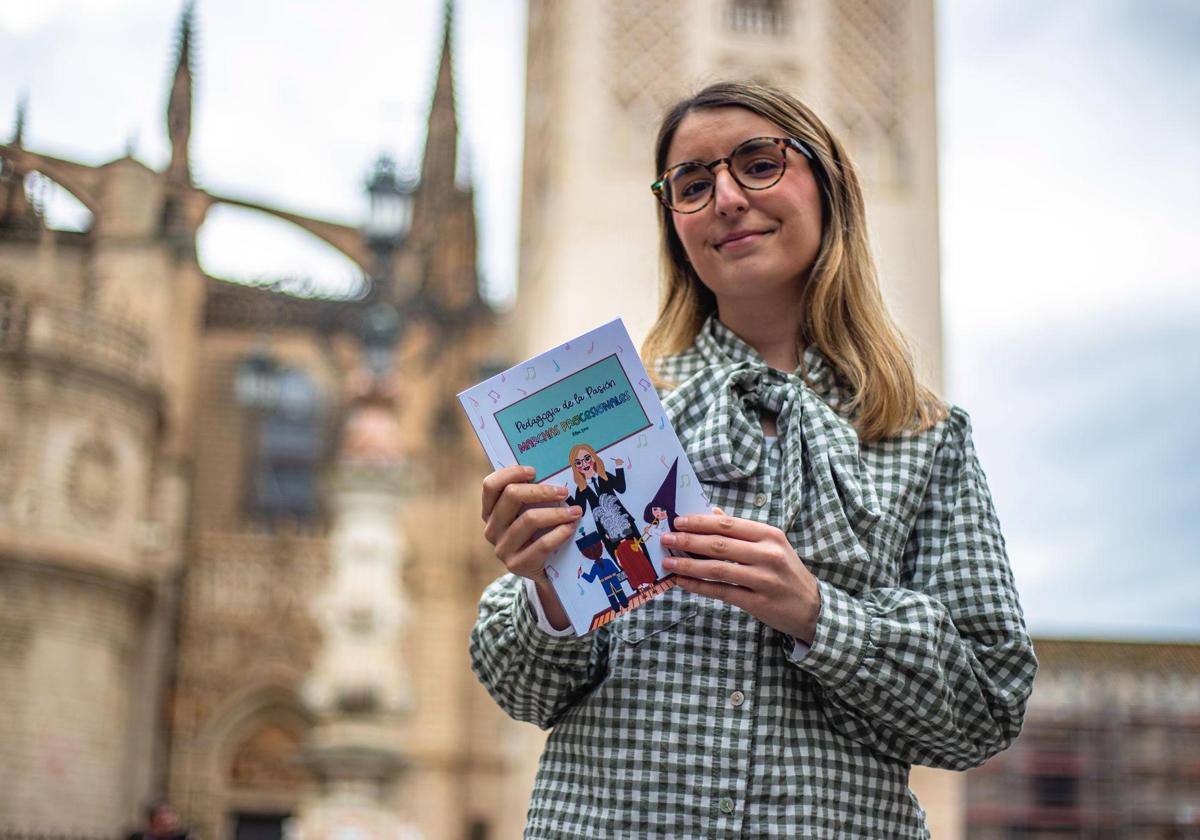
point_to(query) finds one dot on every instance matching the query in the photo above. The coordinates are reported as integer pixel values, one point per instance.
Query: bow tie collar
(729, 399)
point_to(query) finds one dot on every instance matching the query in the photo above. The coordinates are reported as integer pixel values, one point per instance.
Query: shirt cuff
(841, 641)
(543, 623)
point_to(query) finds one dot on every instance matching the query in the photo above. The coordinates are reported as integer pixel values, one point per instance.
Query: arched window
(287, 453)
(756, 17)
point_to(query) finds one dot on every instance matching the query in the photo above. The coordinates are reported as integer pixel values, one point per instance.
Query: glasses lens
(757, 163)
(687, 186)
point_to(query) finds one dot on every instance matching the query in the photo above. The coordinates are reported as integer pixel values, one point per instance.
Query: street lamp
(391, 203)
(380, 332)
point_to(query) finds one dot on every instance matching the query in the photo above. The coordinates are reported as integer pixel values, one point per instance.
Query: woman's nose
(728, 196)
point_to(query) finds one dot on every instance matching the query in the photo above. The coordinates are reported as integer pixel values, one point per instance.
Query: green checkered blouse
(690, 718)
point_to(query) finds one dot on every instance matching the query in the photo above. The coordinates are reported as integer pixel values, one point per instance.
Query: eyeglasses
(586, 459)
(756, 164)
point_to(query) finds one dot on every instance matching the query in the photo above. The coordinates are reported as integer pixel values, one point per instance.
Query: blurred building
(1110, 749)
(190, 467)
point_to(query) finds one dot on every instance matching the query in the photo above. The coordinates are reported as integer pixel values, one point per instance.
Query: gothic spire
(441, 143)
(179, 105)
(18, 138)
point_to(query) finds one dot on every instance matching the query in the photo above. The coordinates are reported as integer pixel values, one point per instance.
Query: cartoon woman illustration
(617, 528)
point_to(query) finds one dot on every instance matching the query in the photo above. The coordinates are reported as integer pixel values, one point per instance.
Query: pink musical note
(591, 347)
(663, 458)
(503, 377)
(645, 385)
(628, 462)
(524, 393)
(494, 395)
(474, 401)
(481, 423)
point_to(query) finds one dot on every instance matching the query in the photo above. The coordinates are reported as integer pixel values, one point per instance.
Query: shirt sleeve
(937, 672)
(533, 675)
(543, 623)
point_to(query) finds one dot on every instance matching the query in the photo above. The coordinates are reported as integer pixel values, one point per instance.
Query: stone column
(359, 690)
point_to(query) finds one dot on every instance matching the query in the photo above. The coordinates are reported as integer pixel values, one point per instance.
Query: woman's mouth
(739, 239)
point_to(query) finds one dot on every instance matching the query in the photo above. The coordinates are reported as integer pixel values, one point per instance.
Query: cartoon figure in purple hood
(660, 513)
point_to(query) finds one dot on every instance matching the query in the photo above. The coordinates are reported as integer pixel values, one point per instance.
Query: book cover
(585, 415)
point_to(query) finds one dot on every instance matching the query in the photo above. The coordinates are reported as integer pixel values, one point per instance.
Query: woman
(618, 531)
(849, 610)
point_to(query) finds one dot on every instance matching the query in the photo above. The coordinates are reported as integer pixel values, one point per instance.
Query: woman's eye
(761, 167)
(694, 188)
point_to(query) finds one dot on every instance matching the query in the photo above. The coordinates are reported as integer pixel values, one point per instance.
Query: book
(586, 416)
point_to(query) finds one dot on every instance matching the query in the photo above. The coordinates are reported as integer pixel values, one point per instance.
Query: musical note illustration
(663, 458)
(481, 422)
(580, 587)
(524, 393)
(620, 349)
(591, 347)
(530, 373)
(628, 463)
(641, 442)
(552, 572)
(645, 385)
(495, 395)
(567, 346)
(662, 422)
(503, 376)
(474, 401)
(556, 367)
(687, 480)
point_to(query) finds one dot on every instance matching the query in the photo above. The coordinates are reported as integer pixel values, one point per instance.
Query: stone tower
(599, 76)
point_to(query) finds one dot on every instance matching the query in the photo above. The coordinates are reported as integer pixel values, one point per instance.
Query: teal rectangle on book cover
(597, 406)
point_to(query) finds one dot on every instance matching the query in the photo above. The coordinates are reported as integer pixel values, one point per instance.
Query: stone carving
(269, 758)
(869, 84)
(645, 48)
(92, 480)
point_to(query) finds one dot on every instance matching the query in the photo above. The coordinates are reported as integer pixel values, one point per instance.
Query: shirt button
(737, 698)
(760, 500)
(726, 805)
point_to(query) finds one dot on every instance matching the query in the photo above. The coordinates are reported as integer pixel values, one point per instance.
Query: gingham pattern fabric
(690, 718)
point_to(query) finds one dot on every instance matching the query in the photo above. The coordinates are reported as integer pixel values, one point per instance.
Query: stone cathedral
(239, 555)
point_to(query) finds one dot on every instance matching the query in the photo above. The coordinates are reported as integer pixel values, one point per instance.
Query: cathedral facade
(239, 551)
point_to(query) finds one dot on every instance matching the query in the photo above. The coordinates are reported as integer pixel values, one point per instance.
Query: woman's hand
(753, 567)
(525, 536)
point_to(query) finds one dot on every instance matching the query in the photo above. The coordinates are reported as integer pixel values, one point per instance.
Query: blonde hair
(844, 315)
(580, 481)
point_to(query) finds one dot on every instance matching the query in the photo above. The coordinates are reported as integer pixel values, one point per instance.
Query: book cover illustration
(585, 415)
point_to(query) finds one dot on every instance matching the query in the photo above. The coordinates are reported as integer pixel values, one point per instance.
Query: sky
(1069, 140)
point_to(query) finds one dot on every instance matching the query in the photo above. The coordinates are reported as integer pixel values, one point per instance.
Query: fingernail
(560, 491)
(669, 563)
(530, 471)
(576, 510)
(682, 522)
(667, 539)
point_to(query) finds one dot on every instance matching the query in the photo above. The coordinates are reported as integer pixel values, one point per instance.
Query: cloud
(1089, 440)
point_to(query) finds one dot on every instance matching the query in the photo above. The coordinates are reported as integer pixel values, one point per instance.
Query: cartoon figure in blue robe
(603, 568)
